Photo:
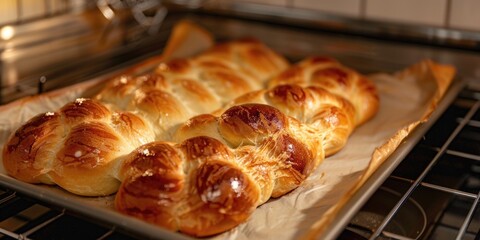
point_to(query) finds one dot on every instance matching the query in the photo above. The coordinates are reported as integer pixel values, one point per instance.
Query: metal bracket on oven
(148, 13)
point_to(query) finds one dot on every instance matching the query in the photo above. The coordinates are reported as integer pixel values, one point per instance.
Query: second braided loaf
(263, 145)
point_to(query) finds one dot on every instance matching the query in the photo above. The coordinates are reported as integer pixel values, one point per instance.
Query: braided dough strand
(265, 144)
(81, 147)
(332, 76)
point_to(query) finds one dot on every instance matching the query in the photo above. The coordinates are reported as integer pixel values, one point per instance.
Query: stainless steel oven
(429, 189)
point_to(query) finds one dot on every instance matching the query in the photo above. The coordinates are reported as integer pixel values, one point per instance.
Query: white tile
(426, 12)
(267, 2)
(342, 7)
(32, 9)
(78, 5)
(57, 6)
(8, 11)
(465, 14)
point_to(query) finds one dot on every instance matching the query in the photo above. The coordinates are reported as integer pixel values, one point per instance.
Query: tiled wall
(12, 11)
(344, 7)
(457, 14)
(429, 12)
(6, 12)
(465, 14)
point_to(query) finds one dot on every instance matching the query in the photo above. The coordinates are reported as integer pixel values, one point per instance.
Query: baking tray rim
(360, 197)
(130, 224)
(44, 193)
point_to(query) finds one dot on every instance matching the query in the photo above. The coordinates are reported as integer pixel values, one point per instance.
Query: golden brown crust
(91, 137)
(221, 197)
(26, 154)
(267, 141)
(336, 78)
(154, 182)
(276, 138)
(295, 161)
(324, 111)
(262, 145)
(224, 72)
(182, 88)
(194, 187)
(75, 147)
(85, 158)
(249, 123)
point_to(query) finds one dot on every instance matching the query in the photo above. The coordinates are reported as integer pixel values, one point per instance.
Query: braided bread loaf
(263, 145)
(81, 146)
(332, 76)
(183, 88)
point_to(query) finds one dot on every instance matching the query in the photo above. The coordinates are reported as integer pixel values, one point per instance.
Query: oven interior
(433, 193)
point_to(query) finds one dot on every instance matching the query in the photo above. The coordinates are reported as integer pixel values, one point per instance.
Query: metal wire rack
(25, 218)
(442, 173)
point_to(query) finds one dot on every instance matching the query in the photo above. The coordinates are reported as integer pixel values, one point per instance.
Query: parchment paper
(407, 98)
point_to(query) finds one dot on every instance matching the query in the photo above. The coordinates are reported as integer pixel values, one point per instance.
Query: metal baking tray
(365, 54)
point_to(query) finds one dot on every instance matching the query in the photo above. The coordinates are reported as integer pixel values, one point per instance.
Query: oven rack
(22, 217)
(451, 169)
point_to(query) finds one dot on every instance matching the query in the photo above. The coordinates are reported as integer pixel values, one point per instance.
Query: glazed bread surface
(81, 146)
(179, 162)
(265, 144)
(182, 88)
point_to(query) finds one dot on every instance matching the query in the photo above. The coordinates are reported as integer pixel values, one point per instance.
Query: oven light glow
(7, 32)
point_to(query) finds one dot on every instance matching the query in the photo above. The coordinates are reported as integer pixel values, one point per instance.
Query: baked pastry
(75, 147)
(331, 75)
(183, 88)
(206, 174)
(81, 146)
(264, 145)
